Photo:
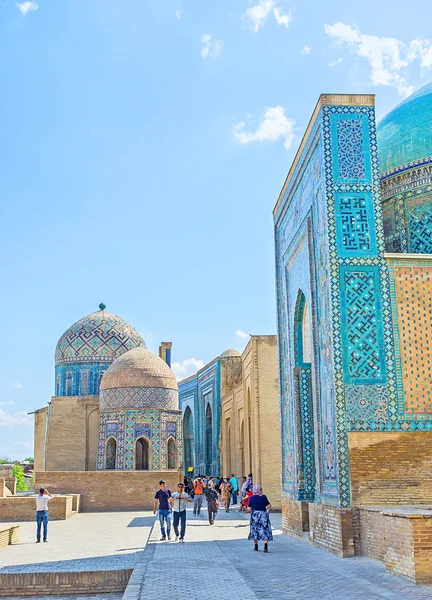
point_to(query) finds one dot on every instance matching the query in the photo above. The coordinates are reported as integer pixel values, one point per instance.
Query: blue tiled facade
(200, 395)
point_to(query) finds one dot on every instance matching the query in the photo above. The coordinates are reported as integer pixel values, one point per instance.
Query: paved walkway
(218, 560)
(85, 542)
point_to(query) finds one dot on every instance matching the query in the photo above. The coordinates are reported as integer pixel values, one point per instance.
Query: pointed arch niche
(305, 449)
(111, 453)
(171, 453)
(142, 454)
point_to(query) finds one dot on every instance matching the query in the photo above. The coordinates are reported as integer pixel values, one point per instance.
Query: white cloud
(333, 63)
(211, 48)
(178, 14)
(242, 334)
(281, 18)
(9, 402)
(256, 16)
(274, 125)
(387, 57)
(18, 385)
(306, 50)
(18, 419)
(25, 7)
(186, 367)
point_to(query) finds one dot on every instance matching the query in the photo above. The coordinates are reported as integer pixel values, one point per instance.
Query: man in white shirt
(178, 502)
(42, 514)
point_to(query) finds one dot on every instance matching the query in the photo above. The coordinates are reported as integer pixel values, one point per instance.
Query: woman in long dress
(260, 526)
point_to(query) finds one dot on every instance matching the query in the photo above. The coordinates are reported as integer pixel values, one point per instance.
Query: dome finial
(102, 306)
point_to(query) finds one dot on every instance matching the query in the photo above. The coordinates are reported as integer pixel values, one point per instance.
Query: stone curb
(136, 582)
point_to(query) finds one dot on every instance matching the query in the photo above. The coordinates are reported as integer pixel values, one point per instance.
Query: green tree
(29, 459)
(4, 460)
(18, 472)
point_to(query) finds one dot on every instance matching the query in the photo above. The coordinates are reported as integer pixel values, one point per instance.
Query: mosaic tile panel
(98, 337)
(79, 380)
(350, 152)
(366, 402)
(124, 398)
(355, 226)
(420, 228)
(362, 330)
(133, 424)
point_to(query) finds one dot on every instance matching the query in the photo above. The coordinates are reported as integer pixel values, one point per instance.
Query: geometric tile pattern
(98, 337)
(307, 434)
(420, 229)
(366, 402)
(139, 397)
(361, 327)
(354, 221)
(350, 148)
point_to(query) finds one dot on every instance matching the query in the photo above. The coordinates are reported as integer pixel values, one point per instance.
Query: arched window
(171, 453)
(142, 454)
(302, 332)
(69, 384)
(58, 385)
(111, 453)
(188, 438)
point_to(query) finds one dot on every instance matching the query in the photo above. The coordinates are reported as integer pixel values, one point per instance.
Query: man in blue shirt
(162, 496)
(235, 488)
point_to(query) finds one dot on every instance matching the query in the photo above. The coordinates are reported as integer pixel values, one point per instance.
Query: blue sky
(143, 145)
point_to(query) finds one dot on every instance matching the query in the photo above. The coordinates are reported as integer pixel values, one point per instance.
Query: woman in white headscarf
(260, 526)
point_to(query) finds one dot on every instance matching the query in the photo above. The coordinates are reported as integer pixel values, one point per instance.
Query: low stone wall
(331, 528)
(2, 487)
(400, 538)
(23, 508)
(109, 490)
(9, 535)
(10, 483)
(58, 584)
(295, 518)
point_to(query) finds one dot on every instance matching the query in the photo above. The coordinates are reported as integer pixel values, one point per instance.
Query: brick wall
(10, 535)
(23, 508)
(390, 468)
(109, 490)
(39, 438)
(10, 483)
(2, 487)
(402, 541)
(331, 528)
(295, 517)
(81, 582)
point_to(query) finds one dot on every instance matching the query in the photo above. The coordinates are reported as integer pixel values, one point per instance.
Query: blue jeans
(42, 517)
(180, 517)
(165, 517)
(197, 503)
(234, 497)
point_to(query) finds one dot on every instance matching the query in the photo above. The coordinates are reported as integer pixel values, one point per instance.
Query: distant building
(115, 405)
(200, 398)
(250, 431)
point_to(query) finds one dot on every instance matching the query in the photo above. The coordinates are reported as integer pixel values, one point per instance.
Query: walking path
(218, 559)
(86, 542)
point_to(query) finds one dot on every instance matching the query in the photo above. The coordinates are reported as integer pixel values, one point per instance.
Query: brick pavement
(87, 542)
(218, 558)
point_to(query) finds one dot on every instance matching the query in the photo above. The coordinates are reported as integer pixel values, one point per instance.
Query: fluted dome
(138, 379)
(230, 353)
(98, 337)
(405, 134)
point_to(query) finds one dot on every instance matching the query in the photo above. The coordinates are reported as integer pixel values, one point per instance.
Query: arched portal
(188, 438)
(249, 421)
(142, 452)
(304, 403)
(111, 454)
(171, 453)
(208, 440)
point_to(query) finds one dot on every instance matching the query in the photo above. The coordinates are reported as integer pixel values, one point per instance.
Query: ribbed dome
(405, 134)
(98, 337)
(229, 353)
(138, 368)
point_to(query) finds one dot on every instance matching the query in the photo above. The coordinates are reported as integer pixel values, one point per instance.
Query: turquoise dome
(405, 134)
